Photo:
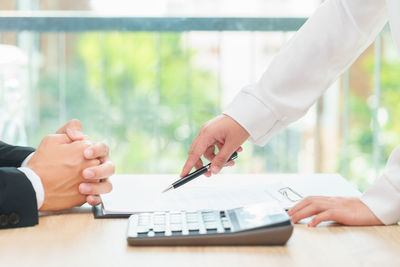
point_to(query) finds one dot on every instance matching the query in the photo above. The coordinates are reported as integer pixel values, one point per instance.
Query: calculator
(257, 224)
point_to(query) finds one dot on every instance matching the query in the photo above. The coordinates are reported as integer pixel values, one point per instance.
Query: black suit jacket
(18, 205)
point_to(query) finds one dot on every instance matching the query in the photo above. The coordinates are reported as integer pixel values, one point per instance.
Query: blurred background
(147, 92)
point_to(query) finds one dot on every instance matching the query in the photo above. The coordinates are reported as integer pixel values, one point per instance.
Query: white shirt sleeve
(325, 46)
(34, 179)
(383, 197)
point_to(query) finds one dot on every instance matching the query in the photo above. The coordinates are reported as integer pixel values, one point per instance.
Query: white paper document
(142, 193)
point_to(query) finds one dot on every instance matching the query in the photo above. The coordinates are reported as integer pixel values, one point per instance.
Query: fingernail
(75, 133)
(88, 153)
(84, 188)
(215, 169)
(88, 174)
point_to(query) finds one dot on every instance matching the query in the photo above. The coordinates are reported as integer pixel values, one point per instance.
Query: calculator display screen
(258, 215)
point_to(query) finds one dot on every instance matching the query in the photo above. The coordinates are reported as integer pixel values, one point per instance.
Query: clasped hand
(72, 169)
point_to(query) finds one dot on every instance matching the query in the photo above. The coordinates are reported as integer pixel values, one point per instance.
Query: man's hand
(96, 182)
(223, 132)
(96, 177)
(348, 211)
(59, 163)
(73, 129)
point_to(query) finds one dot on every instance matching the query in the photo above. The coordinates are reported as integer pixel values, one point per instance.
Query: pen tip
(167, 189)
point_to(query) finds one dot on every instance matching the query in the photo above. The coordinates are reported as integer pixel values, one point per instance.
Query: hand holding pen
(223, 132)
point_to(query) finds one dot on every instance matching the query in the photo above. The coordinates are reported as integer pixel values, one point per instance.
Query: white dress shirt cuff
(35, 181)
(383, 199)
(25, 162)
(253, 115)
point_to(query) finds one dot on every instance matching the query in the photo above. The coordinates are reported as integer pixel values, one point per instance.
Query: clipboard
(142, 193)
(290, 194)
(98, 213)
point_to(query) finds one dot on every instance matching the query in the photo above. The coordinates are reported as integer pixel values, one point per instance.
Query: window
(146, 93)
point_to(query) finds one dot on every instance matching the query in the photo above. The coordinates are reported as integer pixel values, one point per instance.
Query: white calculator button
(211, 225)
(142, 229)
(175, 227)
(175, 218)
(209, 216)
(226, 223)
(158, 228)
(159, 219)
(192, 226)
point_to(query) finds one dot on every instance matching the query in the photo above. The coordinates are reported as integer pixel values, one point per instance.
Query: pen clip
(232, 157)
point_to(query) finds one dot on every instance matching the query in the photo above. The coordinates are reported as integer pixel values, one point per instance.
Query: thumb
(74, 134)
(221, 158)
(58, 138)
(73, 129)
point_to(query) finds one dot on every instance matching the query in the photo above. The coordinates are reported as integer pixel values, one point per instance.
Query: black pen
(196, 174)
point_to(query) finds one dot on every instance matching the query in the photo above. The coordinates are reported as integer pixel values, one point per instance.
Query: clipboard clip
(290, 194)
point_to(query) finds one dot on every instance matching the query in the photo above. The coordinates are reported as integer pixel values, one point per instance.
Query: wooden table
(75, 238)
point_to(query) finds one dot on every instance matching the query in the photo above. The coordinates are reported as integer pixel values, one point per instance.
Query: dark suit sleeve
(13, 156)
(18, 206)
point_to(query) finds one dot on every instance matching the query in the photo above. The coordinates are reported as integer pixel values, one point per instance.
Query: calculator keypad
(179, 223)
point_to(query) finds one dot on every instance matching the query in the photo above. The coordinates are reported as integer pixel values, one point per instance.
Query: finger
(189, 161)
(90, 164)
(58, 138)
(219, 145)
(199, 164)
(210, 153)
(93, 200)
(196, 150)
(231, 163)
(97, 150)
(73, 124)
(73, 129)
(222, 157)
(307, 211)
(301, 205)
(208, 174)
(328, 215)
(81, 146)
(95, 188)
(75, 135)
(98, 172)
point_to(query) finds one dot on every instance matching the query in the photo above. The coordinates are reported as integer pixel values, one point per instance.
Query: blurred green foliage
(139, 91)
(144, 94)
(361, 165)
